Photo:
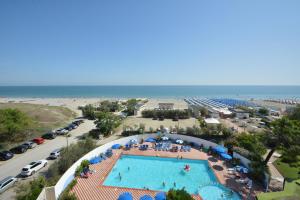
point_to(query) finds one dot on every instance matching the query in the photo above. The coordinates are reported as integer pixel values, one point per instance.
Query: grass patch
(287, 170)
(44, 117)
(291, 192)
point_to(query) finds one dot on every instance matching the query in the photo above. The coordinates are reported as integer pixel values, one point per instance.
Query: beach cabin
(241, 114)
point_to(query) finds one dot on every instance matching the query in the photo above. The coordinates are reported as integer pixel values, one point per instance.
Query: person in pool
(164, 184)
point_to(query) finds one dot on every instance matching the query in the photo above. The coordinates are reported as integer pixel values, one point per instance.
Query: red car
(39, 140)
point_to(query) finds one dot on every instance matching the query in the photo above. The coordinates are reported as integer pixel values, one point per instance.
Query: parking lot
(13, 166)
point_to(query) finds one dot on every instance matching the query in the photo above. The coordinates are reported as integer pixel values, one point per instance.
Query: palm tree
(282, 135)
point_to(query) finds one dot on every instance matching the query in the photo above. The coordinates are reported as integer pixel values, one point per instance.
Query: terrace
(92, 188)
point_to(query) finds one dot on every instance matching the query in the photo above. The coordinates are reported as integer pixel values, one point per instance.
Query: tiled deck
(92, 188)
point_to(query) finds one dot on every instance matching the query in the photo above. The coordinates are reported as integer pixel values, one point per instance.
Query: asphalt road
(13, 166)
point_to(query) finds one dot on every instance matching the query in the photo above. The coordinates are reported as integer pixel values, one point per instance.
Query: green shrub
(178, 195)
(80, 168)
(31, 190)
(66, 195)
(168, 114)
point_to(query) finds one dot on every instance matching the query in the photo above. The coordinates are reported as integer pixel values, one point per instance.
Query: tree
(106, 122)
(251, 143)
(294, 114)
(284, 135)
(263, 111)
(204, 112)
(109, 106)
(131, 106)
(258, 166)
(88, 111)
(13, 125)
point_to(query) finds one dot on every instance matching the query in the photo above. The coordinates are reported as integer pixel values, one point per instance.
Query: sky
(149, 42)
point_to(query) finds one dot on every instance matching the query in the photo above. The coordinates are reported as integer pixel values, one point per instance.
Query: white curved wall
(69, 174)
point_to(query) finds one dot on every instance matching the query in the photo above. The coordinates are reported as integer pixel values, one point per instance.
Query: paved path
(12, 167)
(277, 180)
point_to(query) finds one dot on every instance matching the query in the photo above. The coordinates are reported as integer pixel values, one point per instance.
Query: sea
(163, 92)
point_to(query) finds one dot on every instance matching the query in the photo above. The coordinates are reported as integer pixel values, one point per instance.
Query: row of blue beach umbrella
(128, 196)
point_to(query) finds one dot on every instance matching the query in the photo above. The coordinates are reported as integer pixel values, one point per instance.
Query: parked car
(6, 155)
(30, 144)
(33, 167)
(38, 140)
(61, 131)
(55, 154)
(161, 118)
(49, 136)
(69, 128)
(73, 126)
(78, 122)
(19, 149)
(7, 183)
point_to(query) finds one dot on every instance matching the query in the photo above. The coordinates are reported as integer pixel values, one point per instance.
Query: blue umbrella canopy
(150, 140)
(160, 196)
(125, 196)
(146, 197)
(226, 156)
(220, 149)
(242, 169)
(116, 146)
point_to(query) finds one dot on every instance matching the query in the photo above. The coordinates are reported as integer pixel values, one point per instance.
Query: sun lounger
(245, 180)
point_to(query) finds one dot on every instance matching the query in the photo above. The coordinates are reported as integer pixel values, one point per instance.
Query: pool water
(151, 172)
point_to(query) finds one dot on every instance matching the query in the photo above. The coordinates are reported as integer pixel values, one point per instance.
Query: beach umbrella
(125, 196)
(95, 160)
(116, 146)
(219, 149)
(226, 156)
(150, 140)
(178, 141)
(146, 197)
(165, 138)
(160, 196)
(241, 169)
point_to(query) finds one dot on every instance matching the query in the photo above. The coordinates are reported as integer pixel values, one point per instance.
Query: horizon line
(144, 85)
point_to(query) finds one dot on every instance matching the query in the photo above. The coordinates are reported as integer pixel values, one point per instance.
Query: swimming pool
(162, 174)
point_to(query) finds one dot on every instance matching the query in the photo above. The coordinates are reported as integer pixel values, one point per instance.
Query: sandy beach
(73, 103)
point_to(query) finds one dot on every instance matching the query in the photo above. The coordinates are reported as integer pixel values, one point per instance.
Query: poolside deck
(92, 188)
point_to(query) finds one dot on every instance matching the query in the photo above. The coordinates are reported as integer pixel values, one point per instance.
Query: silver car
(7, 183)
(55, 154)
(30, 144)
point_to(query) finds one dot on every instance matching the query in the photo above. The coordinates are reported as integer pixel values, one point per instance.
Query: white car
(61, 131)
(33, 167)
(7, 183)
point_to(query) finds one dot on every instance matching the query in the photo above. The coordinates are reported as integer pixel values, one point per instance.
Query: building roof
(211, 121)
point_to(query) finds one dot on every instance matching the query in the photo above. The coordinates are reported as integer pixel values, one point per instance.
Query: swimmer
(181, 157)
(174, 184)
(128, 168)
(164, 184)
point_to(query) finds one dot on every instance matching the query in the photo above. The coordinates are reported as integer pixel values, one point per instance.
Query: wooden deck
(92, 188)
